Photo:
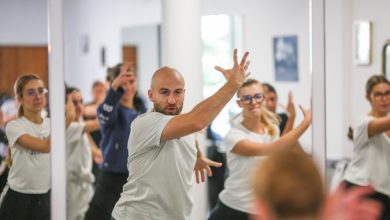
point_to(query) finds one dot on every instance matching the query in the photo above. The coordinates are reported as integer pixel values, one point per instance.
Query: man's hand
(203, 164)
(237, 74)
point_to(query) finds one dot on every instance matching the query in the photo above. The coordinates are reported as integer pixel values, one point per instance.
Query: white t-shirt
(30, 170)
(238, 193)
(78, 154)
(79, 170)
(371, 162)
(160, 173)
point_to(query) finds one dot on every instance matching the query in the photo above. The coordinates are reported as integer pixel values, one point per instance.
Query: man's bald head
(165, 74)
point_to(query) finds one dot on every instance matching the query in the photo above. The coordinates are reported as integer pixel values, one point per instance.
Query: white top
(78, 154)
(371, 162)
(30, 170)
(238, 193)
(160, 173)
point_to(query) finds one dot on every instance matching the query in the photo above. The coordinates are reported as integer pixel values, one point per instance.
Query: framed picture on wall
(285, 50)
(362, 41)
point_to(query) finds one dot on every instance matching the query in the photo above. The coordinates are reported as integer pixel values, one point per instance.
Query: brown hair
(268, 118)
(290, 184)
(19, 85)
(373, 81)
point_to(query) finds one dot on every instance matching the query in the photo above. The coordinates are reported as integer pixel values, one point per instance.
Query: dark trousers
(109, 186)
(21, 206)
(215, 183)
(381, 198)
(223, 212)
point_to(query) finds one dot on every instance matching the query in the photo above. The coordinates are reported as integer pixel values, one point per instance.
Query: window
(220, 35)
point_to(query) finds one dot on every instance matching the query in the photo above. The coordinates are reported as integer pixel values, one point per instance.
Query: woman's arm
(34, 143)
(249, 148)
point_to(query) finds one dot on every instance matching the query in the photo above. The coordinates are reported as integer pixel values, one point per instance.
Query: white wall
(102, 22)
(345, 81)
(146, 40)
(23, 22)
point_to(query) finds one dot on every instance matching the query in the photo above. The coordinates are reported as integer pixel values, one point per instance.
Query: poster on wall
(286, 58)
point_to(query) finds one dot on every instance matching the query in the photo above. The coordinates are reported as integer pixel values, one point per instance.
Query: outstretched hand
(203, 165)
(237, 74)
(290, 107)
(124, 76)
(306, 114)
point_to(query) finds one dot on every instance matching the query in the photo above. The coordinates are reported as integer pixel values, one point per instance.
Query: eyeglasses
(34, 92)
(247, 99)
(381, 95)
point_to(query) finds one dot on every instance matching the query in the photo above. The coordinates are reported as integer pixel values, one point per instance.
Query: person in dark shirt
(271, 102)
(119, 108)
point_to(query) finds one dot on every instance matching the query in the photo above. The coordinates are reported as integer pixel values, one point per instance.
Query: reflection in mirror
(24, 122)
(98, 35)
(350, 102)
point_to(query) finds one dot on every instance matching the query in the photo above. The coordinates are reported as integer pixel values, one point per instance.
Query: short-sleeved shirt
(78, 154)
(370, 164)
(238, 193)
(30, 170)
(160, 173)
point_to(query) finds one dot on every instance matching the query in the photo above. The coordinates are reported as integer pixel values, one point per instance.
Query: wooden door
(16, 60)
(130, 55)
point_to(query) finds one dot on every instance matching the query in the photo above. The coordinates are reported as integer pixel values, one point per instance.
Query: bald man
(162, 152)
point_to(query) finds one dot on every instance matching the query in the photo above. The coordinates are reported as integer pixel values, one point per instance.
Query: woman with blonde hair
(248, 143)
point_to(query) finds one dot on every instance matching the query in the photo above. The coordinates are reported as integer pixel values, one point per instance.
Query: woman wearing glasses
(27, 195)
(371, 139)
(247, 144)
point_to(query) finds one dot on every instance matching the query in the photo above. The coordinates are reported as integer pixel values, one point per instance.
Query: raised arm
(203, 113)
(91, 125)
(250, 148)
(291, 115)
(107, 111)
(378, 126)
(35, 144)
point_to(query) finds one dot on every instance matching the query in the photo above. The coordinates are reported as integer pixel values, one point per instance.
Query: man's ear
(150, 95)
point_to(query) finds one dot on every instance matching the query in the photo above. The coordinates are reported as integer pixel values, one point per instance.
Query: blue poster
(286, 58)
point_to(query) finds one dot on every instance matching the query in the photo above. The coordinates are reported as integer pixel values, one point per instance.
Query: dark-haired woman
(120, 107)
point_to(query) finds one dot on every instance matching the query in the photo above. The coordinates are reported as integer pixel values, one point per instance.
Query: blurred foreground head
(288, 185)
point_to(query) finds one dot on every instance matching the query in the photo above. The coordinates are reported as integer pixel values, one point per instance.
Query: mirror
(24, 50)
(96, 32)
(345, 81)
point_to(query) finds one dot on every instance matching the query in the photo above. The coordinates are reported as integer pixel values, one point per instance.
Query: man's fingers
(214, 164)
(243, 60)
(235, 59)
(220, 69)
(209, 172)
(196, 177)
(247, 65)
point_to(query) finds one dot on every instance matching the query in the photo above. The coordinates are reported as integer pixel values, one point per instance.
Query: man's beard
(158, 108)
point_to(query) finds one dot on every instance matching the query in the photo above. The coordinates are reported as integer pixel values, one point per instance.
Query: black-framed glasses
(247, 99)
(38, 91)
(381, 95)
